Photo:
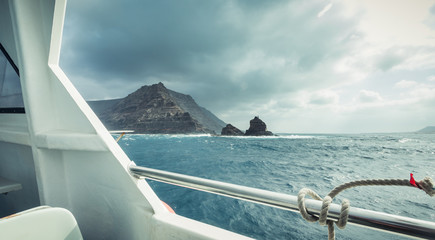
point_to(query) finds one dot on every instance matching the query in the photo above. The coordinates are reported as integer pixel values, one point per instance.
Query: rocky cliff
(200, 114)
(156, 109)
(257, 128)
(230, 130)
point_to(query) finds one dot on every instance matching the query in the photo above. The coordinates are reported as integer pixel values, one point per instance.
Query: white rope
(426, 185)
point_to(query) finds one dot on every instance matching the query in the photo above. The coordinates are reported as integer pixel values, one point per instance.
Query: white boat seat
(7, 185)
(40, 223)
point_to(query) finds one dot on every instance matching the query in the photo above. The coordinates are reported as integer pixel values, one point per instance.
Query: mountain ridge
(428, 129)
(157, 110)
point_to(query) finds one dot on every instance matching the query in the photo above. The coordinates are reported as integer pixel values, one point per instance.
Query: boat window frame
(17, 71)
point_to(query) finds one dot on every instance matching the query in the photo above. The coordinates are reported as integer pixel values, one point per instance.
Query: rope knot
(426, 185)
(326, 202)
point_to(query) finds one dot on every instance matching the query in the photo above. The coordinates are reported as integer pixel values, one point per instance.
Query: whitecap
(170, 135)
(273, 137)
(189, 135)
(404, 140)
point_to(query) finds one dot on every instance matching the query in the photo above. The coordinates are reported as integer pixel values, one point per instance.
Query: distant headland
(428, 129)
(155, 109)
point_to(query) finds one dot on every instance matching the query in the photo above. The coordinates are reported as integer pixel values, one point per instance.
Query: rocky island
(256, 128)
(230, 130)
(156, 110)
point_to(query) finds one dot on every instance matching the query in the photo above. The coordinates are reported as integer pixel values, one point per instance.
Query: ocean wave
(273, 137)
(166, 135)
(189, 135)
(277, 164)
(293, 136)
(405, 140)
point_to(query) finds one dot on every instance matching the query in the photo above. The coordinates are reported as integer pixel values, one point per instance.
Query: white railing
(366, 218)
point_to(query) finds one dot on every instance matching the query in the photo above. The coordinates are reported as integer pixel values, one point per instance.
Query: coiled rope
(426, 185)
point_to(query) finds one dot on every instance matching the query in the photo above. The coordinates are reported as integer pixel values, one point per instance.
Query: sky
(313, 66)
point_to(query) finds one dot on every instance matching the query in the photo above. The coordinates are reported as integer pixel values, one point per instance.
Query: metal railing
(366, 218)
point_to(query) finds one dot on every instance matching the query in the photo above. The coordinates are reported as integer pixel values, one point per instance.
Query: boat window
(11, 97)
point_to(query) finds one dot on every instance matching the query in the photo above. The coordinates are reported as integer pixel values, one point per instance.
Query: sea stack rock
(257, 128)
(230, 130)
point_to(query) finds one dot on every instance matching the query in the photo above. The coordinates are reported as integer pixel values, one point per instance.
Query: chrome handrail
(358, 216)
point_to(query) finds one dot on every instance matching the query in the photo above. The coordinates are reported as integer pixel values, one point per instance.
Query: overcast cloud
(302, 66)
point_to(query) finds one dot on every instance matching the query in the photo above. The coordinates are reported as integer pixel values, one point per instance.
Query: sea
(286, 163)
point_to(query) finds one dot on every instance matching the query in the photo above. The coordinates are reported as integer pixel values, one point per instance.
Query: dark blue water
(286, 164)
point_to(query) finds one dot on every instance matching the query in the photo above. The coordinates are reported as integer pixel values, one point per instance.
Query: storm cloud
(250, 57)
(228, 47)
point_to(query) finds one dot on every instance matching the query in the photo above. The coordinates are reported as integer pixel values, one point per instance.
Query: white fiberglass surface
(16, 164)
